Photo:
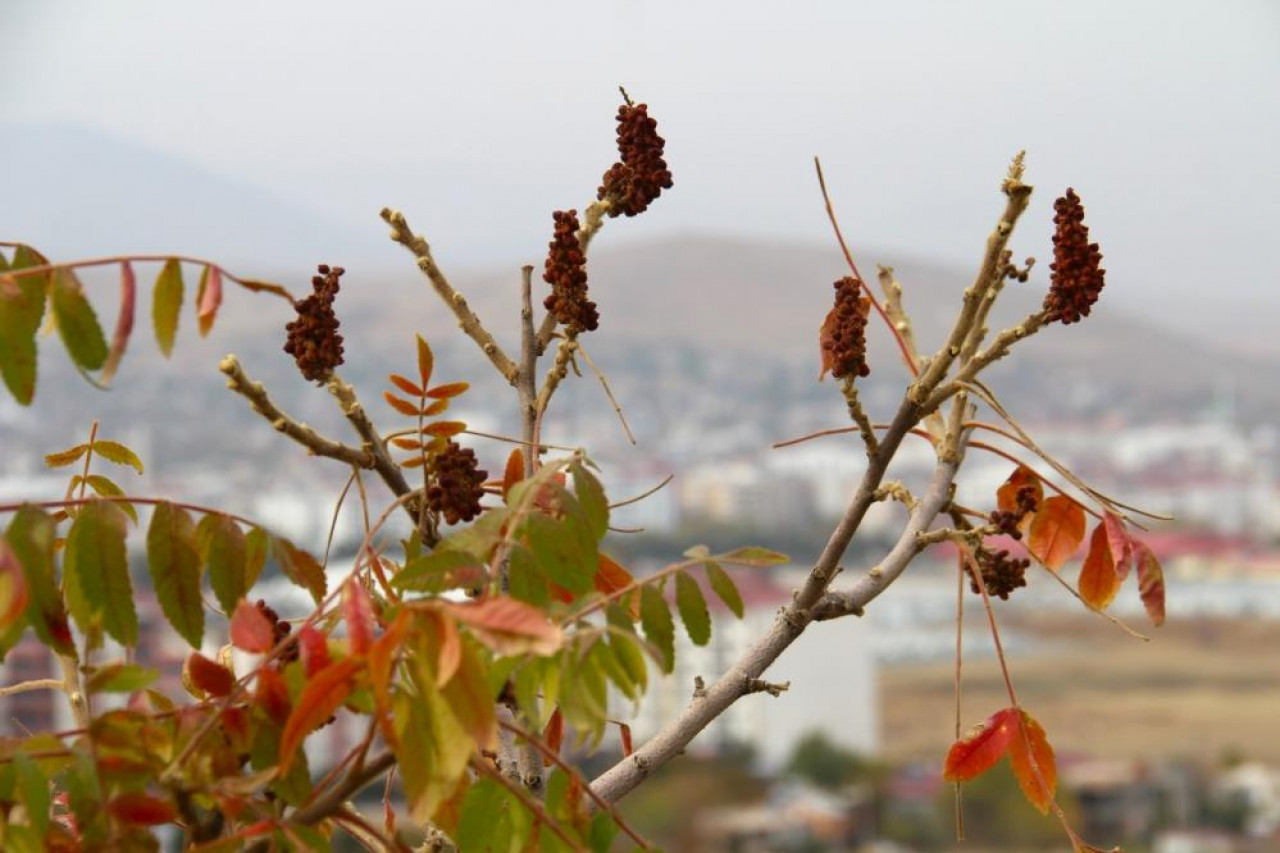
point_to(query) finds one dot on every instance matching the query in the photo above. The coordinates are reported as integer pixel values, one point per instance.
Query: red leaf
(210, 297)
(400, 404)
(314, 648)
(210, 677)
(141, 809)
(1098, 579)
(514, 472)
(1030, 751)
(624, 731)
(1057, 531)
(444, 392)
(272, 695)
(251, 631)
(979, 750)
(124, 323)
(325, 692)
(406, 385)
(357, 611)
(508, 626)
(443, 632)
(1150, 581)
(13, 588)
(553, 734)
(1118, 537)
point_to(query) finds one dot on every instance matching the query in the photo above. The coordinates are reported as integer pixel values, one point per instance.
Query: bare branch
(467, 319)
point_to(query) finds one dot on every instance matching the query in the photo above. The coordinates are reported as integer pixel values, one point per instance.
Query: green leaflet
(173, 557)
(753, 555)
(693, 609)
(725, 588)
(591, 497)
(30, 534)
(435, 571)
(166, 304)
(659, 627)
(223, 548)
(21, 311)
(97, 565)
(300, 567)
(626, 648)
(108, 489)
(77, 324)
(560, 550)
(121, 678)
(114, 451)
(477, 825)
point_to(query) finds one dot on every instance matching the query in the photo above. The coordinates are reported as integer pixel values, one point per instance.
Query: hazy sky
(478, 118)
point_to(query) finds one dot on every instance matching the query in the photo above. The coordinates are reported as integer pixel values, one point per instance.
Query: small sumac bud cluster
(458, 485)
(1001, 573)
(844, 333)
(566, 272)
(1077, 278)
(313, 338)
(279, 631)
(1007, 521)
(642, 175)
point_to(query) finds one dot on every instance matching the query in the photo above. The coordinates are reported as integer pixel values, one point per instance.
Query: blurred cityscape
(848, 758)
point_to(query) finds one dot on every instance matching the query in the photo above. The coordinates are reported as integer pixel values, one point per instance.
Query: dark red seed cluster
(566, 272)
(280, 631)
(313, 338)
(1077, 278)
(844, 334)
(1008, 520)
(642, 175)
(458, 485)
(1001, 573)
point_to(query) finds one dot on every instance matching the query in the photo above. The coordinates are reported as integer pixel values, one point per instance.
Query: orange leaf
(444, 392)
(272, 695)
(314, 649)
(141, 809)
(508, 626)
(979, 750)
(426, 361)
(624, 731)
(209, 298)
(827, 337)
(611, 577)
(400, 404)
(449, 647)
(1029, 752)
(1098, 579)
(357, 612)
(250, 629)
(1150, 581)
(1007, 494)
(435, 407)
(412, 462)
(124, 323)
(1057, 531)
(406, 385)
(213, 678)
(553, 734)
(444, 429)
(1118, 537)
(324, 693)
(406, 443)
(382, 658)
(514, 472)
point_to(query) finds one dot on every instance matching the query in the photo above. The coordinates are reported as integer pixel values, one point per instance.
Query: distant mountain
(75, 192)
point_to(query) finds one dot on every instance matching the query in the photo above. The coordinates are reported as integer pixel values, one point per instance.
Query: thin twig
(644, 494)
(604, 383)
(247, 283)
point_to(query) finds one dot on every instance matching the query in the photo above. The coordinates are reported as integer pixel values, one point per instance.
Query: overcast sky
(478, 118)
